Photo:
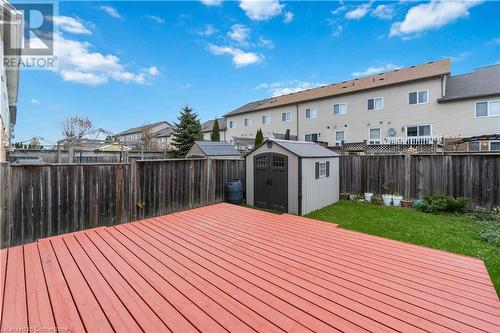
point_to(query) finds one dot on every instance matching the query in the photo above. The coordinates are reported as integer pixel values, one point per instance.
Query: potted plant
(344, 196)
(387, 198)
(396, 199)
(377, 200)
(406, 203)
(368, 197)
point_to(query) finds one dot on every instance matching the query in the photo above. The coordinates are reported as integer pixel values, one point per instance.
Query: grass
(448, 232)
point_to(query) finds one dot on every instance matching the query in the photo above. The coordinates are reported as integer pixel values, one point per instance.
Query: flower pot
(368, 197)
(406, 203)
(344, 196)
(396, 200)
(387, 198)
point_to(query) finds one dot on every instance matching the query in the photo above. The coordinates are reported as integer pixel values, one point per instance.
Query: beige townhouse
(417, 104)
(158, 134)
(206, 129)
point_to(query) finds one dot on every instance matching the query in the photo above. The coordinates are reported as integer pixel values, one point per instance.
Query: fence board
(474, 176)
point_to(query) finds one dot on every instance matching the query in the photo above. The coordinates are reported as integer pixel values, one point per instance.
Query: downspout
(297, 108)
(300, 186)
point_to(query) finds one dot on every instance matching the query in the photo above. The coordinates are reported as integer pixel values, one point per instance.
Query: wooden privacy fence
(476, 177)
(37, 201)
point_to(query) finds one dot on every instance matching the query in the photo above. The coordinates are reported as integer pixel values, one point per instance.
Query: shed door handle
(269, 181)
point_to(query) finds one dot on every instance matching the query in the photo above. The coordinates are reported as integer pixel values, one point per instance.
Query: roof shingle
(417, 72)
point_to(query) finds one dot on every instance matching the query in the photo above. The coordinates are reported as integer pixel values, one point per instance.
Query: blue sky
(123, 64)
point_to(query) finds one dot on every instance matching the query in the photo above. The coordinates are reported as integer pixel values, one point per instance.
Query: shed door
(271, 181)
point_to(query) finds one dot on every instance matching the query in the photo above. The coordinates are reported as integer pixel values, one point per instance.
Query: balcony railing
(414, 140)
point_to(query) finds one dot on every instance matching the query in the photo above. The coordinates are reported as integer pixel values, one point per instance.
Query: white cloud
(240, 57)
(208, 31)
(376, 70)
(339, 9)
(211, 2)
(287, 87)
(336, 29)
(111, 11)
(288, 17)
(70, 24)
(89, 79)
(261, 10)
(359, 12)
(157, 19)
(264, 42)
(384, 12)
(35, 101)
(153, 71)
(79, 63)
(239, 33)
(431, 15)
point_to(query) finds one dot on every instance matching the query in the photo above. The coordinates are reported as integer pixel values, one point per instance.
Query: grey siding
(293, 176)
(318, 193)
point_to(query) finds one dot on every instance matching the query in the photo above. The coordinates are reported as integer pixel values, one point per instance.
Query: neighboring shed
(213, 150)
(297, 177)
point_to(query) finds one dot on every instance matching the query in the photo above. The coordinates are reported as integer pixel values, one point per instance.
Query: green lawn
(447, 232)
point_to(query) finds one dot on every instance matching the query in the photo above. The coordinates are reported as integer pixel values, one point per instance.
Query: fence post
(343, 147)
(365, 146)
(434, 146)
(407, 193)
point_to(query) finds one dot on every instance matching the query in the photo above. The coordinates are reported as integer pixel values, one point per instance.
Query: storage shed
(213, 150)
(295, 177)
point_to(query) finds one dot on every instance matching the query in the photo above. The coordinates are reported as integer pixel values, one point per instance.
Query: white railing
(414, 140)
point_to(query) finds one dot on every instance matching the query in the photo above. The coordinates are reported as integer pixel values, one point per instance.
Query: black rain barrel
(234, 191)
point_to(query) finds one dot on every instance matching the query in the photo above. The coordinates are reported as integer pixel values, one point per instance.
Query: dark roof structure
(482, 82)
(408, 74)
(208, 125)
(217, 148)
(304, 149)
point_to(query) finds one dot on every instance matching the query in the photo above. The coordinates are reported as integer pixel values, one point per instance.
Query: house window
(311, 137)
(286, 116)
(339, 108)
(488, 109)
(418, 97)
(248, 122)
(421, 130)
(375, 135)
(266, 120)
(376, 103)
(322, 169)
(311, 113)
(495, 145)
(474, 146)
(232, 124)
(339, 137)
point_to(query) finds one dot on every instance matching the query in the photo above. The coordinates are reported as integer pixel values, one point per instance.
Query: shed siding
(293, 175)
(318, 193)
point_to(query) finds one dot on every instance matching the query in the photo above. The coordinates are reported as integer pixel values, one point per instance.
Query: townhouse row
(420, 103)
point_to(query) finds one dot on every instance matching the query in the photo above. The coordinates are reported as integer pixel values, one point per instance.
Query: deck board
(225, 268)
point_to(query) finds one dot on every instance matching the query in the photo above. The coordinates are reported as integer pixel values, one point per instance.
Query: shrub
(489, 231)
(440, 202)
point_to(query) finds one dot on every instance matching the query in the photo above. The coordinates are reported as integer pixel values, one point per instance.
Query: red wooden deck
(229, 268)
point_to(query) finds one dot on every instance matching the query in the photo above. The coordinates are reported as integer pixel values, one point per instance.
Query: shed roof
(217, 148)
(408, 74)
(303, 148)
(484, 81)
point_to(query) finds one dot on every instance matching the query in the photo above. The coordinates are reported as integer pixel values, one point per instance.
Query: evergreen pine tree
(215, 136)
(259, 137)
(187, 131)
